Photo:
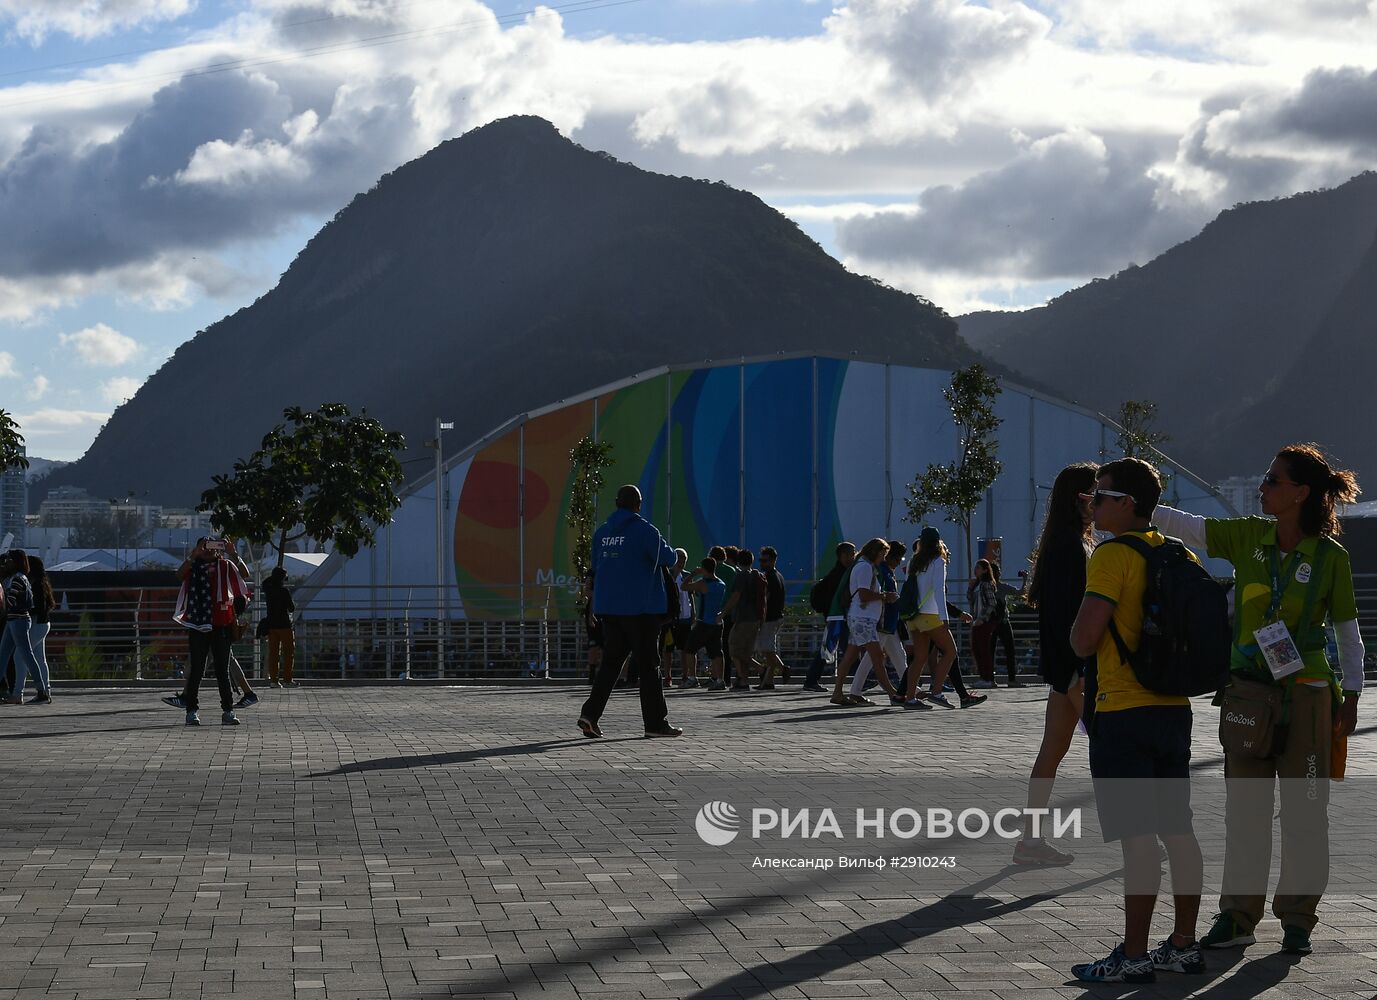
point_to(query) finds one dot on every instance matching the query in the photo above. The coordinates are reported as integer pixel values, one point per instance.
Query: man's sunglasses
(1094, 498)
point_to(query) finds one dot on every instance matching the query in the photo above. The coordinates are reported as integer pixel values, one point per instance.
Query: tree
(1137, 437)
(11, 445)
(958, 487)
(589, 459)
(330, 476)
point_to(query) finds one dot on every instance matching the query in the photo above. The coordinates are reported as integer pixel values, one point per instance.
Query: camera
(215, 545)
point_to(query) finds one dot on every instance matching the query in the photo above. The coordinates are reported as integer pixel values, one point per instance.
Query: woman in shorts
(1055, 589)
(927, 627)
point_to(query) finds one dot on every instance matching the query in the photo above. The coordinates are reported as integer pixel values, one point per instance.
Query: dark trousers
(982, 649)
(1004, 636)
(216, 645)
(638, 635)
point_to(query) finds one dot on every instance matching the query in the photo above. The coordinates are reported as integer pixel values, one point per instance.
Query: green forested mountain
(504, 270)
(1241, 335)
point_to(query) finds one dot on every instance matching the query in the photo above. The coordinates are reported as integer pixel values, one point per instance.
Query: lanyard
(1278, 575)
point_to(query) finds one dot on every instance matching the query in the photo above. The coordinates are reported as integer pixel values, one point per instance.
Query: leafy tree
(82, 654)
(11, 444)
(958, 487)
(325, 475)
(589, 459)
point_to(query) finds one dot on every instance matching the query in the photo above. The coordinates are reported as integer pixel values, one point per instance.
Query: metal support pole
(439, 546)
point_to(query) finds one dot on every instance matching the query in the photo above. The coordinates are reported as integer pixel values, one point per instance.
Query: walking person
(828, 598)
(862, 621)
(17, 638)
(746, 608)
(767, 642)
(629, 602)
(279, 609)
(707, 628)
(927, 627)
(1056, 587)
(211, 584)
(1292, 571)
(1004, 628)
(888, 631)
(984, 600)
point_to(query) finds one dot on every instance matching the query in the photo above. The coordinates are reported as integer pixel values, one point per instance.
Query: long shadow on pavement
(85, 732)
(463, 756)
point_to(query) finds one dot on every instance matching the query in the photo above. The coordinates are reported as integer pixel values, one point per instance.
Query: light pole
(441, 597)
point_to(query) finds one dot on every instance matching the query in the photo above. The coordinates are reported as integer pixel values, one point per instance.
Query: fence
(128, 634)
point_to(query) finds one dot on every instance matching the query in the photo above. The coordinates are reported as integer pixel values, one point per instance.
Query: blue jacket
(627, 555)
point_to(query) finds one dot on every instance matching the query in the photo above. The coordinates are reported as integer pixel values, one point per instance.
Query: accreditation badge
(1278, 649)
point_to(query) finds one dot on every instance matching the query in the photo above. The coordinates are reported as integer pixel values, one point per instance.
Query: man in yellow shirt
(1140, 741)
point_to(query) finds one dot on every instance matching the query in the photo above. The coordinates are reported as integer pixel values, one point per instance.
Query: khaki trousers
(281, 649)
(1250, 784)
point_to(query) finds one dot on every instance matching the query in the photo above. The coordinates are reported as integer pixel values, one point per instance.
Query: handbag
(1250, 718)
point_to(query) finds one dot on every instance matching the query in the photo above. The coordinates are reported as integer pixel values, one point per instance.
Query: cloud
(101, 346)
(38, 388)
(119, 389)
(937, 48)
(52, 421)
(33, 20)
(1069, 205)
(7, 368)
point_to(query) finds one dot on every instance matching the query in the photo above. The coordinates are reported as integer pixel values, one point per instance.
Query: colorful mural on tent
(796, 453)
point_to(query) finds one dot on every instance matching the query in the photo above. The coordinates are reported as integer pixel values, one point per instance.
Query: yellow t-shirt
(1118, 575)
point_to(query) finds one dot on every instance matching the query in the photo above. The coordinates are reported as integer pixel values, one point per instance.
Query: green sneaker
(1295, 940)
(1227, 933)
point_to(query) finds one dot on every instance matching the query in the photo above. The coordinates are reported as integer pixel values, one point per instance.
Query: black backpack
(820, 597)
(1186, 639)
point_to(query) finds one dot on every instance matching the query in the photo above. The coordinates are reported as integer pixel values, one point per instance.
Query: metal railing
(114, 633)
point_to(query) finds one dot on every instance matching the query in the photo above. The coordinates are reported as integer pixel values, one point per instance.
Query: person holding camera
(212, 580)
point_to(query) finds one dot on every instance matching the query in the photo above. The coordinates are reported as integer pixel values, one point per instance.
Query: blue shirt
(628, 552)
(710, 600)
(889, 615)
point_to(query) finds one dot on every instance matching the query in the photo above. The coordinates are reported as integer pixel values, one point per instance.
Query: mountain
(503, 270)
(1322, 396)
(1217, 331)
(39, 467)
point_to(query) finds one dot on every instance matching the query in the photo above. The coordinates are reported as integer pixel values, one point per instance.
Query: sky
(162, 161)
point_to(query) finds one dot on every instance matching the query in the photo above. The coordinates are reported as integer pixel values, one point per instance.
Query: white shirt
(864, 576)
(932, 589)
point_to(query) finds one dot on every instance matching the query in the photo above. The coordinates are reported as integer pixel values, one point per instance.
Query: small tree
(1138, 438)
(11, 445)
(330, 476)
(589, 459)
(958, 487)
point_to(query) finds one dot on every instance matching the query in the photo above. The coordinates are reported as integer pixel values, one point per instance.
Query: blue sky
(983, 155)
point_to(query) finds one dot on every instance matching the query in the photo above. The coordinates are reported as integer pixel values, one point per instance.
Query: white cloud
(53, 421)
(39, 387)
(101, 346)
(119, 389)
(35, 19)
(7, 368)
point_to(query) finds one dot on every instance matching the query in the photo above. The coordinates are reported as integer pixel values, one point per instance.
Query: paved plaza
(427, 842)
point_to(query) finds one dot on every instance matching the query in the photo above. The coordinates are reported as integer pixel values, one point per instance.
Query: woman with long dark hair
(43, 602)
(1288, 569)
(16, 641)
(1055, 589)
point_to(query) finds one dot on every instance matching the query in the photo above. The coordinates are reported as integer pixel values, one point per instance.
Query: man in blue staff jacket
(629, 600)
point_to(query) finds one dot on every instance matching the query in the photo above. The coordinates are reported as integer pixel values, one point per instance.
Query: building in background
(1240, 492)
(14, 504)
(794, 452)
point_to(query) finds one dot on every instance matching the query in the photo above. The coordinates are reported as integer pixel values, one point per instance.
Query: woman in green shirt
(1287, 568)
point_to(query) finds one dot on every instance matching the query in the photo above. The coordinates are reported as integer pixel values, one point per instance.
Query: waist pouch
(1251, 719)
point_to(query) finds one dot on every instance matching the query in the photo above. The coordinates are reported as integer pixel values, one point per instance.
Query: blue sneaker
(229, 719)
(175, 700)
(1169, 958)
(1117, 967)
(192, 719)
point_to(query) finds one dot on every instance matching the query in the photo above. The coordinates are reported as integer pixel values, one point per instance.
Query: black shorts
(705, 637)
(1061, 674)
(680, 631)
(1140, 763)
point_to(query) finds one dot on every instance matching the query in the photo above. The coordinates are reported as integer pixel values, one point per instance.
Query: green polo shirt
(1248, 543)
(727, 574)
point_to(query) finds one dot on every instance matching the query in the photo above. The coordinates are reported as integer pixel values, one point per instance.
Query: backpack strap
(1144, 549)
